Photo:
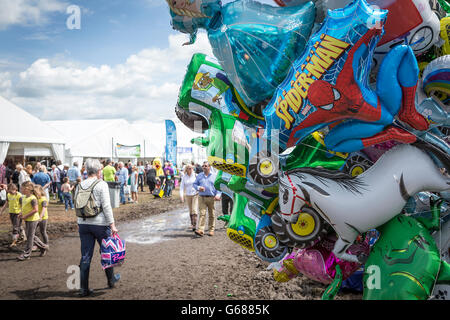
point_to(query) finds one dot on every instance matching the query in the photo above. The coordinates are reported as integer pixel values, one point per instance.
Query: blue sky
(126, 61)
(111, 30)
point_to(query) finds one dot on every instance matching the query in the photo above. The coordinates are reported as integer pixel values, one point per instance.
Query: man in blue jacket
(204, 184)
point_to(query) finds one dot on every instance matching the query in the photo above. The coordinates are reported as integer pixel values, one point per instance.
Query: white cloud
(28, 12)
(145, 86)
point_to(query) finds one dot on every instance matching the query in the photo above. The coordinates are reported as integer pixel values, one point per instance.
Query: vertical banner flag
(171, 142)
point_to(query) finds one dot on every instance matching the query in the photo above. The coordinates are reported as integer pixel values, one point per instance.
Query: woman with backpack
(94, 226)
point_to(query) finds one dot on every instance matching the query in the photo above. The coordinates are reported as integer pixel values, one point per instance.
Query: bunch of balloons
(328, 123)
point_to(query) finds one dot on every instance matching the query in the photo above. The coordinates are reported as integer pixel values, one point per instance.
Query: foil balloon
(190, 15)
(255, 43)
(329, 84)
(268, 246)
(352, 205)
(319, 263)
(405, 262)
(205, 88)
(311, 152)
(442, 238)
(436, 78)
(243, 221)
(263, 197)
(445, 34)
(411, 22)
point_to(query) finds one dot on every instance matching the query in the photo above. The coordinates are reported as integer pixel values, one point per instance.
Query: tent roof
(17, 125)
(94, 138)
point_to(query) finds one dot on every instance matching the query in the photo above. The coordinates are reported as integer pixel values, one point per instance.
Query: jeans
(122, 193)
(68, 200)
(56, 188)
(141, 182)
(88, 235)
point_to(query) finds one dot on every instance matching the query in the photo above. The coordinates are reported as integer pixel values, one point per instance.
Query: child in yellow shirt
(14, 206)
(29, 213)
(43, 214)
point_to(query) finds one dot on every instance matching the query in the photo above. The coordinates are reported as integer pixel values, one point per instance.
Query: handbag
(112, 252)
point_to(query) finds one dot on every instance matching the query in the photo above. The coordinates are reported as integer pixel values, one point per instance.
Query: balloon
(319, 263)
(311, 152)
(442, 239)
(436, 78)
(445, 35)
(329, 84)
(255, 43)
(190, 15)
(268, 246)
(434, 112)
(243, 221)
(409, 21)
(355, 205)
(260, 196)
(206, 87)
(405, 263)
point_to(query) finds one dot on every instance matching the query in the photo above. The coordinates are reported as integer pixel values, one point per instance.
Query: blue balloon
(338, 54)
(254, 43)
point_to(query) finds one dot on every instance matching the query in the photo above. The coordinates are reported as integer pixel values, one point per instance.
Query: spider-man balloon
(328, 85)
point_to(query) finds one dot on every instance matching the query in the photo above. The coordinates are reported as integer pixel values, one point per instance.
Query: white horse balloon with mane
(354, 205)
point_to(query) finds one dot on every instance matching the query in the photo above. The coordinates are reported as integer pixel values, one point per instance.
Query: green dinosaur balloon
(405, 262)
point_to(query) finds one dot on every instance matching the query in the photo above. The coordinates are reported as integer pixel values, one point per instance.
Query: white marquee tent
(98, 138)
(22, 134)
(156, 133)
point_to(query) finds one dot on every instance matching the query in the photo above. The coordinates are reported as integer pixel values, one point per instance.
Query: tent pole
(112, 148)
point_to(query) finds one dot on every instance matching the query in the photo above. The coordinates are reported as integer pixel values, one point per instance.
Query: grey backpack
(84, 202)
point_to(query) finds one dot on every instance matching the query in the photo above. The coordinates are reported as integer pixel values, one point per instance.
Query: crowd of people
(28, 192)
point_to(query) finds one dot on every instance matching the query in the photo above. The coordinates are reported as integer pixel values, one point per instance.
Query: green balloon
(311, 153)
(405, 263)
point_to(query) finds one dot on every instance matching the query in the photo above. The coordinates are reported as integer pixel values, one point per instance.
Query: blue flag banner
(171, 142)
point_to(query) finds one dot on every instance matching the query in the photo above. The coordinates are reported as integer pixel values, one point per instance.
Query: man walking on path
(122, 175)
(204, 183)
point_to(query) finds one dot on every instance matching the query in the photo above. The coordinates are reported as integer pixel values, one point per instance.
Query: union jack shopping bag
(112, 252)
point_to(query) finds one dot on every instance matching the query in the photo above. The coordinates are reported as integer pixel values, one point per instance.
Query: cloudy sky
(125, 61)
